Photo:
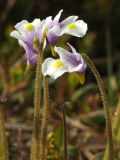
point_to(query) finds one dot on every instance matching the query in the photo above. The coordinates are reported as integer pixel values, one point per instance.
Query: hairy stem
(118, 140)
(45, 116)
(116, 127)
(45, 113)
(105, 105)
(3, 139)
(116, 120)
(37, 118)
(65, 134)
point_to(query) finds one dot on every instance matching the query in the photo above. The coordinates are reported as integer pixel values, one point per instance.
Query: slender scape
(3, 139)
(105, 104)
(65, 133)
(43, 149)
(37, 117)
(45, 113)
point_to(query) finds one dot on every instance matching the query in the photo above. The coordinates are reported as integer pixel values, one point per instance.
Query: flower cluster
(50, 31)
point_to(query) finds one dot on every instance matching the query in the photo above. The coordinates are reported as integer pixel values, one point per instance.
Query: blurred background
(85, 118)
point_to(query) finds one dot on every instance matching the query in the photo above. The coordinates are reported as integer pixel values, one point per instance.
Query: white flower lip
(78, 28)
(48, 68)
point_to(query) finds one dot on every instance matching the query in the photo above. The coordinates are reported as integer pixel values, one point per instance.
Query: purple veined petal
(53, 35)
(78, 56)
(30, 54)
(29, 38)
(73, 61)
(26, 33)
(69, 59)
(80, 68)
(52, 38)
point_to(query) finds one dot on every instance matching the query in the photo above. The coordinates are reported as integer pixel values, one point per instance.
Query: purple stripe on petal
(82, 68)
(73, 61)
(69, 59)
(31, 56)
(30, 47)
(52, 38)
(31, 52)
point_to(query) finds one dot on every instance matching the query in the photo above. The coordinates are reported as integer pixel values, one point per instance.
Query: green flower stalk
(65, 133)
(45, 116)
(118, 140)
(116, 127)
(37, 113)
(41, 126)
(116, 120)
(105, 106)
(3, 139)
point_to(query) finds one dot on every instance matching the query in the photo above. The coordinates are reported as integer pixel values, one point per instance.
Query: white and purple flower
(26, 33)
(68, 62)
(70, 25)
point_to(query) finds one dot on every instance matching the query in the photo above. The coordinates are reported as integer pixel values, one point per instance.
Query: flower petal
(72, 48)
(52, 38)
(57, 17)
(37, 23)
(77, 29)
(47, 23)
(69, 20)
(66, 57)
(73, 61)
(20, 26)
(31, 56)
(53, 68)
(78, 56)
(15, 34)
(53, 35)
(55, 29)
